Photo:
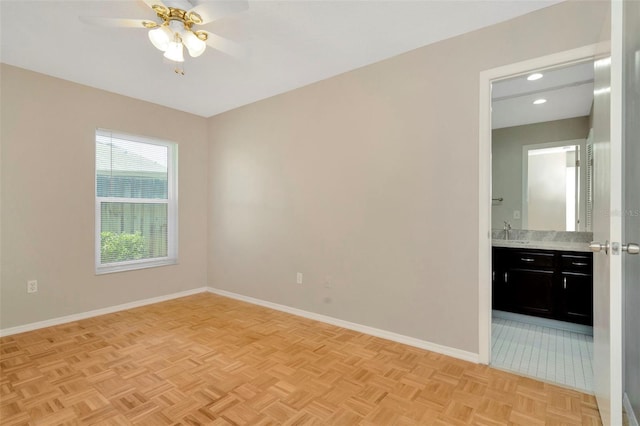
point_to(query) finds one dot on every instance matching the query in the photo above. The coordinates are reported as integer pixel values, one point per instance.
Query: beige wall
(368, 180)
(506, 153)
(365, 182)
(48, 128)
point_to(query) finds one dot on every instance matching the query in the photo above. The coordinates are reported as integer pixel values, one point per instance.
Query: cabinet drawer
(577, 263)
(529, 260)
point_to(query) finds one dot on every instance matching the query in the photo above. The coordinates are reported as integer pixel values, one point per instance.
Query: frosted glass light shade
(174, 52)
(161, 37)
(195, 46)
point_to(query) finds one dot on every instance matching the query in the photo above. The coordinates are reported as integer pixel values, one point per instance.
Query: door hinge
(577, 163)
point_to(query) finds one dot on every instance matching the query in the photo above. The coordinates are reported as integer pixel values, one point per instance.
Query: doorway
(542, 267)
(511, 206)
(554, 188)
(488, 77)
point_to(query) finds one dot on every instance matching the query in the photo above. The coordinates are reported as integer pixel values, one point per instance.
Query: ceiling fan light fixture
(175, 51)
(175, 32)
(161, 37)
(194, 44)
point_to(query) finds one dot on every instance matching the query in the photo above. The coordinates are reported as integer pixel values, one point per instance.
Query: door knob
(596, 247)
(631, 248)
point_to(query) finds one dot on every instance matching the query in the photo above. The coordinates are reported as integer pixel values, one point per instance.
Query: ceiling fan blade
(225, 46)
(118, 22)
(209, 11)
(151, 3)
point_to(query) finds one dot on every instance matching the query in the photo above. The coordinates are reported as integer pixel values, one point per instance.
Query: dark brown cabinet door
(500, 297)
(531, 292)
(500, 291)
(577, 298)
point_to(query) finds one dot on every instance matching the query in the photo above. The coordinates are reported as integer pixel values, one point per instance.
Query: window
(136, 202)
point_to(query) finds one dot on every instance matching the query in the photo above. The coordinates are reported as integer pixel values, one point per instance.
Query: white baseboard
(84, 315)
(631, 415)
(395, 337)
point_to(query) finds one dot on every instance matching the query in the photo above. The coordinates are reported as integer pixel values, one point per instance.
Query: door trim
(484, 175)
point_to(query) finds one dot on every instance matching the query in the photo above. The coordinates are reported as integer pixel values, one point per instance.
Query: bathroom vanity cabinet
(545, 283)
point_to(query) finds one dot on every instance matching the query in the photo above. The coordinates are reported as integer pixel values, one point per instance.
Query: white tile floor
(546, 353)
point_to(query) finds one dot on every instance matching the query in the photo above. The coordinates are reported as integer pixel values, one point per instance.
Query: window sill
(134, 265)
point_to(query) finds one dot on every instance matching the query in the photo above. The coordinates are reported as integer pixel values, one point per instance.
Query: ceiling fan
(178, 24)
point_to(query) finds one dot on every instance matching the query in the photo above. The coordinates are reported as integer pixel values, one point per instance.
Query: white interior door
(631, 225)
(607, 224)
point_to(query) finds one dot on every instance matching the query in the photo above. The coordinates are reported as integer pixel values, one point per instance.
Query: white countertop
(543, 245)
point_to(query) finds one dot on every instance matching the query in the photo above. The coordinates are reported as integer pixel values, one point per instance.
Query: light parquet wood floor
(207, 359)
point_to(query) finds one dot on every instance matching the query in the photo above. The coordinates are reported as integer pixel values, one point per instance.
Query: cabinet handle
(579, 264)
(526, 259)
(506, 277)
(493, 275)
(564, 283)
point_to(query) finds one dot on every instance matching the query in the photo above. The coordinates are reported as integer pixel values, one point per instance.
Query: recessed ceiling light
(534, 76)
(539, 101)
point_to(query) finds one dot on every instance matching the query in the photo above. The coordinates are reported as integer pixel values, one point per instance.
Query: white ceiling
(568, 91)
(288, 44)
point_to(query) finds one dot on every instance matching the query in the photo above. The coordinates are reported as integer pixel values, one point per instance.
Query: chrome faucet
(507, 229)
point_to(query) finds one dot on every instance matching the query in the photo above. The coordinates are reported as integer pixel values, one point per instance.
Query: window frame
(171, 202)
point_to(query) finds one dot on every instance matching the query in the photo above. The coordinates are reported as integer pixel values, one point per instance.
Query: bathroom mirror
(541, 149)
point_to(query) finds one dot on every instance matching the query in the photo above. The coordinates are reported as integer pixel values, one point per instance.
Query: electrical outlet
(299, 278)
(32, 286)
(516, 214)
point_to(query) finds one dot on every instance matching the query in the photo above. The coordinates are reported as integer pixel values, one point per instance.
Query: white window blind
(136, 202)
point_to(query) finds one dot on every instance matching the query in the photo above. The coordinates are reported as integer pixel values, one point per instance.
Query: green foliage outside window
(121, 247)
